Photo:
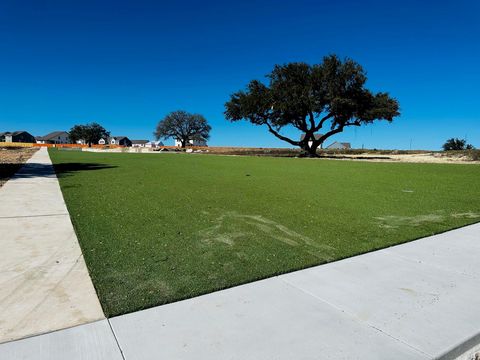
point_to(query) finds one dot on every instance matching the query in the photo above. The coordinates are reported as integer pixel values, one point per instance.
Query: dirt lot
(411, 156)
(415, 156)
(423, 157)
(11, 159)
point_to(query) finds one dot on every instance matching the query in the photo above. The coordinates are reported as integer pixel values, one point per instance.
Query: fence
(95, 146)
(215, 149)
(16, 144)
(20, 144)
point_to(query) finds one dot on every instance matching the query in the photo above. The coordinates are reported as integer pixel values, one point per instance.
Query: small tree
(76, 133)
(457, 144)
(183, 126)
(329, 96)
(90, 133)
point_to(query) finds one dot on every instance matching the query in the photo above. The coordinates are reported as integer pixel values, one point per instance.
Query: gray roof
(139, 141)
(14, 133)
(344, 144)
(155, 142)
(119, 137)
(317, 136)
(52, 135)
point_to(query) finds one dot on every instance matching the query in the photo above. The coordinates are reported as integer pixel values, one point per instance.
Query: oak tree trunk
(309, 150)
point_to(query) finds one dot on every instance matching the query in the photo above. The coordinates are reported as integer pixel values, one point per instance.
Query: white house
(56, 137)
(120, 140)
(116, 140)
(317, 136)
(197, 141)
(139, 143)
(340, 146)
(154, 144)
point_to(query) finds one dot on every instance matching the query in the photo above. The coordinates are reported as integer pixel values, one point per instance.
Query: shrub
(457, 144)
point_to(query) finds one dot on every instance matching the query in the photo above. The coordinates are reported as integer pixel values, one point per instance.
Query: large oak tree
(183, 126)
(326, 97)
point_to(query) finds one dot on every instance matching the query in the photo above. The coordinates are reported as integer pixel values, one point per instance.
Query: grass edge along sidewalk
(413, 301)
(45, 285)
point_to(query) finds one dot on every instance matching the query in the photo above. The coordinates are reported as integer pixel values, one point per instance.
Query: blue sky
(126, 64)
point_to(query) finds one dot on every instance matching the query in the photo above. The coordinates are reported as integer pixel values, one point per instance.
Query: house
(154, 144)
(317, 136)
(56, 137)
(194, 141)
(139, 143)
(340, 146)
(17, 136)
(116, 140)
(119, 140)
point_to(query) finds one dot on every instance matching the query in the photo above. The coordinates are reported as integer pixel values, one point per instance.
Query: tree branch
(312, 119)
(322, 121)
(281, 137)
(335, 131)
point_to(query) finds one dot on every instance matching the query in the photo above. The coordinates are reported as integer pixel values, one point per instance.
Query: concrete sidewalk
(44, 283)
(419, 300)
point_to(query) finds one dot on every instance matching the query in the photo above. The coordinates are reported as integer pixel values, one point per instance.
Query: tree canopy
(457, 144)
(329, 96)
(89, 133)
(183, 126)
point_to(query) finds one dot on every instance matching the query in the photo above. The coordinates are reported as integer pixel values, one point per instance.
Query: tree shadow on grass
(66, 169)
(36, 170)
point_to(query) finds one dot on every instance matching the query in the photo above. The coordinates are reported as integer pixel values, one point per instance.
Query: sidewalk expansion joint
(355, 317)
(116, 339)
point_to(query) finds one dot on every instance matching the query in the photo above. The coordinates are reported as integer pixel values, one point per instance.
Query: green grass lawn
(156, 228)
